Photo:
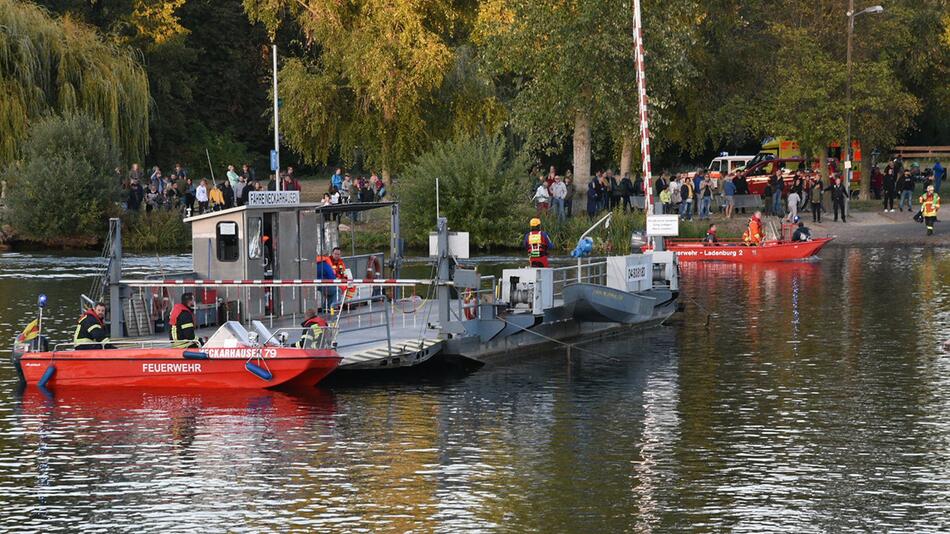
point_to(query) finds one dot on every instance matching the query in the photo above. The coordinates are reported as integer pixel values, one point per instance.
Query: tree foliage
(63, 185)
(369, 79)
(482, 188)
(59, 65)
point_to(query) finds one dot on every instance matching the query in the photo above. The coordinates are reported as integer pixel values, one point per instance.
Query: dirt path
(878, 228)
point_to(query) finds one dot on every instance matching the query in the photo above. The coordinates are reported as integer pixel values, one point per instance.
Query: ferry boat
(255, 270)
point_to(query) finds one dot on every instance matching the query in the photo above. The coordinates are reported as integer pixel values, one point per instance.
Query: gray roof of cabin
(303, 206)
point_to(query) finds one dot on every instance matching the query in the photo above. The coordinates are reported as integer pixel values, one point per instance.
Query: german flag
(30, 332)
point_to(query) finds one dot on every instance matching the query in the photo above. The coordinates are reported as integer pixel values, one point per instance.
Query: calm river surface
(818, 400)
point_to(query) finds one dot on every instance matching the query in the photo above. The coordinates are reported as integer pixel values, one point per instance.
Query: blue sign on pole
(273, 160)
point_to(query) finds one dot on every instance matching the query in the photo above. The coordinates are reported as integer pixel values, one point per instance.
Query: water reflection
(816, 399)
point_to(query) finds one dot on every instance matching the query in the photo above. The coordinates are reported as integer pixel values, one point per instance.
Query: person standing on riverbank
(201, 195)
(889, 189)
(558, 193)
(906, 185)
(815, 195)
(929, 206)
(940, 174)
(542, 197)
(705, 198)
(569, 196)
(793, 200)
(729, 195)
(839, 196)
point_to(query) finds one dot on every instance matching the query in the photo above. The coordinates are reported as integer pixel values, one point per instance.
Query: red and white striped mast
(642, 107)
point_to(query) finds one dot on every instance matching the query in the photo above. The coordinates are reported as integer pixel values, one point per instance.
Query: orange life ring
(469, 304)
(373, 268)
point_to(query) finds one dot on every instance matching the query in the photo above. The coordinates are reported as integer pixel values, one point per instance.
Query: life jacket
(929, 204)
(753, 234)
(314, 331)
(339, 269)
(90, 328)
(537, 244)
(185, 331)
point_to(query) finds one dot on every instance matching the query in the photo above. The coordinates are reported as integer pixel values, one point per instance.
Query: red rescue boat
(737, 252)
(232, 365)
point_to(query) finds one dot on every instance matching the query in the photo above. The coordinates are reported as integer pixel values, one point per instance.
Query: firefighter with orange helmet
(537, 242)
(753, 234)
(929, 206)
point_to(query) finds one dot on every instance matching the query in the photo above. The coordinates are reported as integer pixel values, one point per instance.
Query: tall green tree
(573, 66)
(63, 184)
(59, 65)
(369, 77)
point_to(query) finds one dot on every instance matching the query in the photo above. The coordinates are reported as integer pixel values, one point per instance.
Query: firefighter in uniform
(537, 242)
(314, 327)
(183, 332)
(91, 329)
(753, 234)
(340, 271)
(929, 206)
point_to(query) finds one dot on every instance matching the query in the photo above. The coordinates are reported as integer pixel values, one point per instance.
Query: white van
(724, 165)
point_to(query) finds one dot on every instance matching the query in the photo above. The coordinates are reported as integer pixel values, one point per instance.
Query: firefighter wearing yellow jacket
(91, 329)
(929, 206)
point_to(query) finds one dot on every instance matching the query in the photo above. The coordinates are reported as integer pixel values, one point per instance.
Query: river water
(817, 399)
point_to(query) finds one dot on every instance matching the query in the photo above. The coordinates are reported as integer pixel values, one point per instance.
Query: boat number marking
(171, 367)
(242, 353)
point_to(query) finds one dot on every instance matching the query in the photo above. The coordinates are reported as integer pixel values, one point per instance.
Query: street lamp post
(874, 10)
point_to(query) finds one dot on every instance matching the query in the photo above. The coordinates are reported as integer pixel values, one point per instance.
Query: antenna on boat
(41, 303)
(437, 200)
(210, 168)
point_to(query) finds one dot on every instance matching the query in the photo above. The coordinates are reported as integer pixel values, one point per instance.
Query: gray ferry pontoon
(257, 265)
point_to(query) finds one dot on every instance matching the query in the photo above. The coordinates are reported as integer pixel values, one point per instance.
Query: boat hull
(168, 368)
(735, 253)
(596, 303)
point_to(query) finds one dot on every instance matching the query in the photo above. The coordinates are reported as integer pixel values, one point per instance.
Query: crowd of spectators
(785, 194)
(178, 191)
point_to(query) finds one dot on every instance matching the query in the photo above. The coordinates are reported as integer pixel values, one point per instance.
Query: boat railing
(120, 344)
(290, 335)
(590, 273)
(364, 325)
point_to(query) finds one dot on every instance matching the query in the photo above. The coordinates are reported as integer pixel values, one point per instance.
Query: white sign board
(272, 198)
(847, 164)
(663, 225)
(458, 244)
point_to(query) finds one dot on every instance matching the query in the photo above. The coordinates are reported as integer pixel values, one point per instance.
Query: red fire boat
(229, 359)
(737, 252)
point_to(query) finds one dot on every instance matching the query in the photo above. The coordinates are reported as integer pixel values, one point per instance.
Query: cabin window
(227, 234)
(254, 238)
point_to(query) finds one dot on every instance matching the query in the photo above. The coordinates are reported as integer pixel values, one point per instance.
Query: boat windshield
(229, 335)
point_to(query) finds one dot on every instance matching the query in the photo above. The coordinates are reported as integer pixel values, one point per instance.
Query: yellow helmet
(535, 222)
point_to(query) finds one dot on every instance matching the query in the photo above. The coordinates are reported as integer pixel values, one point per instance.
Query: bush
(482, 191)
(156, 231)
(613, 240)
(63, 185)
